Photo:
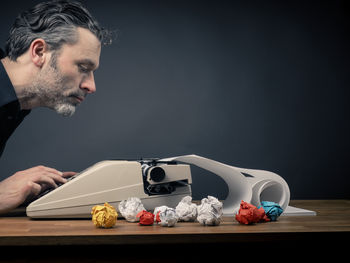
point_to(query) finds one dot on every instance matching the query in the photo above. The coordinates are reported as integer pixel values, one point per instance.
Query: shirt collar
(2, 54)
(7, 92)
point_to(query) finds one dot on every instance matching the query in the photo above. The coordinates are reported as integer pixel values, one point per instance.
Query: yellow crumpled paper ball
(104, 215)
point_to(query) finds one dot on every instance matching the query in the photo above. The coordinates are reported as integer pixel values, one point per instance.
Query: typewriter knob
(157, 174)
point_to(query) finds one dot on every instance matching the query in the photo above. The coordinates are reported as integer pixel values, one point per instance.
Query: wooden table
(133, 242)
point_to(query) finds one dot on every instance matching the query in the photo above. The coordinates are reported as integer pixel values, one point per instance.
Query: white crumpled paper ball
(186, 210)
(210, 211)
(130, 208)
(165, 216)
(159, 209)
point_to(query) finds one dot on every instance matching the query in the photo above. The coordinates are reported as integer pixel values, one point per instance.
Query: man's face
(68, 77)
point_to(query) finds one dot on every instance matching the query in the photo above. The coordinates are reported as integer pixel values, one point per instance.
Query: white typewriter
(156, 182)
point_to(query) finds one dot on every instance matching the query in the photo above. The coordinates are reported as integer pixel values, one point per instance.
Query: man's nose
(88, 84)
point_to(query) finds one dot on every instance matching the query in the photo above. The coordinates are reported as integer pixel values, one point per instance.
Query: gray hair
(56, 22)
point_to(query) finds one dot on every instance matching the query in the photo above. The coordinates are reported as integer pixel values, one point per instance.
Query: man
(51, 54)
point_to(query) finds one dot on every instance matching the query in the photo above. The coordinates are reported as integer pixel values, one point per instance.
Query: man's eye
(83, 69)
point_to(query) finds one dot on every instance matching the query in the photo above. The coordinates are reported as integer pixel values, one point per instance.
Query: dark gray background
(254, 84)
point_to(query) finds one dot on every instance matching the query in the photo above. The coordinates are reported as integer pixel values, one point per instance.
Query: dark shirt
(11, 114)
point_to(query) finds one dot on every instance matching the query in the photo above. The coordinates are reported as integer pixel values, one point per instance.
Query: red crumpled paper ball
(250, 214)
(146, 218)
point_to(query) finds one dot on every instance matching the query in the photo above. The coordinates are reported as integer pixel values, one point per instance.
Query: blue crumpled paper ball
(272, 209)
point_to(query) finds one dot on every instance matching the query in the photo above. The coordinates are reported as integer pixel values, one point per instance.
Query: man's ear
(38, 52)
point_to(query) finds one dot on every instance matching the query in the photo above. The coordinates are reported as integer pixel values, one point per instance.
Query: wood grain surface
(23, 240)
(332, 220)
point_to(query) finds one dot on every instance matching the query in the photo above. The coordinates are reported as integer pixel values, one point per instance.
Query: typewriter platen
(155, 182)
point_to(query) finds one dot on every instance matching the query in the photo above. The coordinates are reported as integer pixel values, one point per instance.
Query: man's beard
(65, 109)
(52, 90)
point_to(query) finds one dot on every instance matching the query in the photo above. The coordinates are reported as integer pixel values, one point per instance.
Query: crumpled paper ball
(210, 211)
(104, 216)
(130, 208)
(186, 210)
(146, 218)
(272, 209)
(159, 209)
(250, 214)
(166, 216)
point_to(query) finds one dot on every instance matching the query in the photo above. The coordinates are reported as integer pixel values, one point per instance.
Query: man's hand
(27, 184)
